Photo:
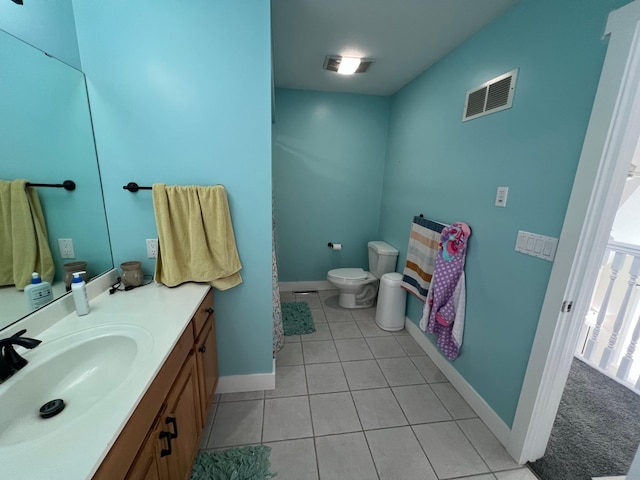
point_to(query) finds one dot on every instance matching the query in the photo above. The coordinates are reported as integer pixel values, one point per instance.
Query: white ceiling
(404, 37)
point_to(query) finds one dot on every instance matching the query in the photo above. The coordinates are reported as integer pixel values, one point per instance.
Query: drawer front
(202, 315)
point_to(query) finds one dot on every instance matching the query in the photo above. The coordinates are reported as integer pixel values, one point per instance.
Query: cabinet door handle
(209, 310)
(202, 349)
(173, 420)
(166, 451)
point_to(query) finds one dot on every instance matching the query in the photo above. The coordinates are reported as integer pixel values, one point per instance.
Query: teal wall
(180, 94)
(328, 162)
(47, 25)
(449, 170)
(46, 137)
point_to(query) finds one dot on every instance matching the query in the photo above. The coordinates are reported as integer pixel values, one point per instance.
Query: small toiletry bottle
(38, 292)
(79, 292)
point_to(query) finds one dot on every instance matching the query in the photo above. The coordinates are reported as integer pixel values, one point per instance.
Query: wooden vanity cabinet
(206, 353)
(161, 439)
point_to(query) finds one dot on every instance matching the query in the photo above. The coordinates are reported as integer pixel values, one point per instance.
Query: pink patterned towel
(443, 313)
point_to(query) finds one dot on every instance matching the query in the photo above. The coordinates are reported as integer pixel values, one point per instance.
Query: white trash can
(391, 303)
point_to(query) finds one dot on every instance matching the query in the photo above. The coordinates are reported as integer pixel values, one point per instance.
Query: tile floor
(353, 402)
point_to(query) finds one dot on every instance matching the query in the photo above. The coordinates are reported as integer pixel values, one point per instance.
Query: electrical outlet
(66, 248)
(152, 248)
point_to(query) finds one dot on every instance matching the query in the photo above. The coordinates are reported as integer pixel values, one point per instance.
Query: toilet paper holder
(334, 246)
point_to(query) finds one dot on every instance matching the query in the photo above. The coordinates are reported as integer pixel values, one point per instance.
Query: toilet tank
(382, 258)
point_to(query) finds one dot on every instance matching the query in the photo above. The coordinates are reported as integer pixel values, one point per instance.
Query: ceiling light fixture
(346, 65)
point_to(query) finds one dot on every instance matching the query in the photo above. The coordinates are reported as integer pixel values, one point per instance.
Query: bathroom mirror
(47, 137)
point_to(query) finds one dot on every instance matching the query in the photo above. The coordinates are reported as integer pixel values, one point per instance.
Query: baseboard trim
(473, 398)
(305, 286)
(247, 383)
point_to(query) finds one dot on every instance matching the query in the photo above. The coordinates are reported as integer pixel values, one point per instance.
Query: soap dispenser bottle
(38, 293)
(79, 292)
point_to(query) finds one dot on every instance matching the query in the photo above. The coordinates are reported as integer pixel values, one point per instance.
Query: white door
(612, 139)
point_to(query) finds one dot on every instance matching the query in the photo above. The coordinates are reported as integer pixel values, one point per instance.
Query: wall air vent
(491, 96)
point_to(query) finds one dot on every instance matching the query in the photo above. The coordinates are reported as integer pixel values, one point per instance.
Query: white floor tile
(363, 374)
(521, 474)
(448, 450)
(385, 347)
(428, 369)
(237, 423)
(337, 314)
(398, 455)
(369, 328)
(322, 333)
(350, 349)
(312, 299)
(364, 313)
(334, 413)
(400, 371)
(345, 457)
(290, 382)
(241, 396)
(341, 330)
(487, 445)
(409, 345)
(453, 401)
(326, 378)
(290, 354)
(420, 404)
(320, 352)
(318, 316)
(488, 476)
(294, 459)
(286, 419)
(378, 409)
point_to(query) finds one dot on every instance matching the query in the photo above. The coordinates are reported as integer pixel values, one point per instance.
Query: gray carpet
(597, 429)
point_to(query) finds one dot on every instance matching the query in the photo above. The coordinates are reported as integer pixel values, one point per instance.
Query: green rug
(245, 463)
(296, 318)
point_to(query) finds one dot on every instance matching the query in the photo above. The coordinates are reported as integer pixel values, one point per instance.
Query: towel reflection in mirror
(24, 244)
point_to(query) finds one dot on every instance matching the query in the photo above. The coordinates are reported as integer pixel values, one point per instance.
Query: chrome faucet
(10, 361)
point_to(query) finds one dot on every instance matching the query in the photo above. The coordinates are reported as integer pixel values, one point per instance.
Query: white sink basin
(84, 369)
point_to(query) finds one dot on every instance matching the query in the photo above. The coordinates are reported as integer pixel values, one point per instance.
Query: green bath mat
(245, 463)
(296, 318)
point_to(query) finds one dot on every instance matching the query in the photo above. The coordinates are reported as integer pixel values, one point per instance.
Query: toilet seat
(350, 276)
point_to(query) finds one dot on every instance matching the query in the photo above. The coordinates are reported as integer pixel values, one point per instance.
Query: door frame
(610, 142)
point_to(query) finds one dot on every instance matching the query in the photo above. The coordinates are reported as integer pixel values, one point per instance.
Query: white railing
(612, 329)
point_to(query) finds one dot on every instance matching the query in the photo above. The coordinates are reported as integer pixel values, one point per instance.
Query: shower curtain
(278, 333)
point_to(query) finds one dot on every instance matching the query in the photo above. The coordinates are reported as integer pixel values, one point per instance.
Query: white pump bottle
(79, 292)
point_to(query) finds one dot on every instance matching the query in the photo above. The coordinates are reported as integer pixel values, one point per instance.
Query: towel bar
(67, 185)
(134, 187)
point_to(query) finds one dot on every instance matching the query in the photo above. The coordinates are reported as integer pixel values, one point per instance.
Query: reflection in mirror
(47, 138)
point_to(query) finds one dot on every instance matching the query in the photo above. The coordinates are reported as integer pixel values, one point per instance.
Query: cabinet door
(182, 421)
(207, 359)
(148, 465)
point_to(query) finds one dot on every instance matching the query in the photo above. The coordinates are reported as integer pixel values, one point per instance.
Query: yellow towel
(24, 245)
(195, 236)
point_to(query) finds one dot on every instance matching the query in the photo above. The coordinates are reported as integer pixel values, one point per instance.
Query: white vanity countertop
(76, 450)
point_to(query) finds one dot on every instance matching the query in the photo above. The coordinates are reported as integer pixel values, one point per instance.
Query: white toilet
(358, 289)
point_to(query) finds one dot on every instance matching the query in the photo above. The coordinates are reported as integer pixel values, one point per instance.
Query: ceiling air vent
(491, 96)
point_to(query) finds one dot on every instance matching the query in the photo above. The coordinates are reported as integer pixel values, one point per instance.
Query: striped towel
(421, 256)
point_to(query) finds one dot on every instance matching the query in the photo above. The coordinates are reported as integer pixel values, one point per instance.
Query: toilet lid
(348, 273)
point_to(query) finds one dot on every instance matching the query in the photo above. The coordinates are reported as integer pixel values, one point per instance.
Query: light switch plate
(501, 196)
(536, 245)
